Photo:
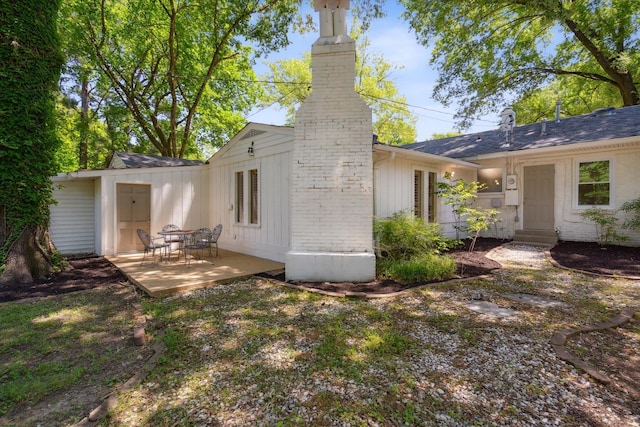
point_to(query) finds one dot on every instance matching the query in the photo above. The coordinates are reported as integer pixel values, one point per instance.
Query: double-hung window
(594, 183)
(247, 197)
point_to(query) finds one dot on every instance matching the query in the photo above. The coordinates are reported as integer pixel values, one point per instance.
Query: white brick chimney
(332, 172)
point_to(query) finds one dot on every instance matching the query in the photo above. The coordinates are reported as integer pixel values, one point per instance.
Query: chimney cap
(318, 5)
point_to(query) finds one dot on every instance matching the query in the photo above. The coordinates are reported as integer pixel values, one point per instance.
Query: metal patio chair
(150, 245)
(198, 241)
(173, 239)
(215, 235)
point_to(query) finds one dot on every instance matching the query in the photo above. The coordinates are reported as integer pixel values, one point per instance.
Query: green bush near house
(632, 207)
(403, 236)
(605, 222)
(409, 249)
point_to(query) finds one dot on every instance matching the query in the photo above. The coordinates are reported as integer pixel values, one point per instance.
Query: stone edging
(559, 339)
(111, 401)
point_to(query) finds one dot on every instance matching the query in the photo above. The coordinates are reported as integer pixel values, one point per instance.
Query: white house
(307, 195)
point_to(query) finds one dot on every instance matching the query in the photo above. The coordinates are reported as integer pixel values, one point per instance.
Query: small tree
(479, 220)
(460, 195)
(605, 222)
(632, 207)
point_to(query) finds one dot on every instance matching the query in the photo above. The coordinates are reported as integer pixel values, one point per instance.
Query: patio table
(181, 233)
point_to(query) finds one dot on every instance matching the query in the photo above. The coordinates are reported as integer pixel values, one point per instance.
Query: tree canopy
(173, 73)
(490, 52)
(393, 122)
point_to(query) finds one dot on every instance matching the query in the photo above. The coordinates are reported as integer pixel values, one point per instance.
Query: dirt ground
(93, 272)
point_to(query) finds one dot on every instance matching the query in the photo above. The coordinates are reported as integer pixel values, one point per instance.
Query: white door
(134, 211)
(538, 197)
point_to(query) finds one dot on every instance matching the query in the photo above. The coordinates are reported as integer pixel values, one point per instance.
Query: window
(425, 202)
(247, 198)
(433, 197)
(240, 197)
(593, 183)
(492, 180)
(418, 193)
(253, 194)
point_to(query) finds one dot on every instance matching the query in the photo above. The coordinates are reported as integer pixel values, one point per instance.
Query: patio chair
(172, 239)
(215, 235)
(150, 245)
(197, 241)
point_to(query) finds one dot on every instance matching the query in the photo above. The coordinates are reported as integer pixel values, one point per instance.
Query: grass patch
(426, 267)
(53, 345)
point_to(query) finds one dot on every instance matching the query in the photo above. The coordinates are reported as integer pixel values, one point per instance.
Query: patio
(168, 278)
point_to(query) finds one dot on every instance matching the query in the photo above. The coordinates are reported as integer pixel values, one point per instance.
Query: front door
(134, 211)
(538, 197)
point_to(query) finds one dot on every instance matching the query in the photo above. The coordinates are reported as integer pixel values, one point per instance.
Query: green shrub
(422, 268)
(605, 222)
(632, 207)
(403, 236)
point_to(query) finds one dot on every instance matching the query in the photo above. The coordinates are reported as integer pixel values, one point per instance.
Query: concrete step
(536, 236)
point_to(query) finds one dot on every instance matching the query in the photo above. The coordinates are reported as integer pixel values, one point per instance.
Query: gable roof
(600, 125)
(121, 160)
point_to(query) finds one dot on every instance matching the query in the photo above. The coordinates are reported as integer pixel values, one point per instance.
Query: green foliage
(486, 51)
(171, 76)
(460, 195)
(479, 220)
(393, 123)
(403, 236)
(632, 207)
(425, 267)
(576, 97)
(605, 222)
(30, 64)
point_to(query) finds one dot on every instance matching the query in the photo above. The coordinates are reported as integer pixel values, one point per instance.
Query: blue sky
(415, 79)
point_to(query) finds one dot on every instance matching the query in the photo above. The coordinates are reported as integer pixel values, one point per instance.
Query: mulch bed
(81, 274)
(609, 260)
(92, 272)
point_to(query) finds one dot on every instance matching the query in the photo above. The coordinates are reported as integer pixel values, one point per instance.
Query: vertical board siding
(73, 218)
(272, 157)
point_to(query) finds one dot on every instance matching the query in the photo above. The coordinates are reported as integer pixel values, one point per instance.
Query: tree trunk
(29, 257)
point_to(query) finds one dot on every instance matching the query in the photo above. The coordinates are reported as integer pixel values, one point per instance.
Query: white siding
(272, 157)
(394, 187)
(178, 196)
(625, 186)
(72, 219)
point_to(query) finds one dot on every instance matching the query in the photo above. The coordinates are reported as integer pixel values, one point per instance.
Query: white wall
(272, 157)
(72, 226)
(394, 181)
(569, 224)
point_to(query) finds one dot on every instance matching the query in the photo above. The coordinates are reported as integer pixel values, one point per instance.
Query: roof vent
(607, 111)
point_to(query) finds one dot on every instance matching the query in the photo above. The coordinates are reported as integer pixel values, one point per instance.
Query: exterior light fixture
(250, 150)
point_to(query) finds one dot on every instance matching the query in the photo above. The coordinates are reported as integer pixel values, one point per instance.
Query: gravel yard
(257, 353)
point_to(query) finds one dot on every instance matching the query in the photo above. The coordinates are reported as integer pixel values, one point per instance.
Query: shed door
(134, 211)
(538, 197)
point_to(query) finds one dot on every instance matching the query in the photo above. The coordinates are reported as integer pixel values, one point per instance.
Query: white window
(425, 195)
(594, 183)
(247, 199)
(491, 178)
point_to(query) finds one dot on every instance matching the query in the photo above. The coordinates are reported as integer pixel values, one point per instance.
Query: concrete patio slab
(167, 278)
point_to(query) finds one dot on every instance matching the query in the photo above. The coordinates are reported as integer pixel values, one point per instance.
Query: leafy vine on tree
(30, 64)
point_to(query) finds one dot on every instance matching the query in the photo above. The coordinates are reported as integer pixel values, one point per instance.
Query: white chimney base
(330, 266)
